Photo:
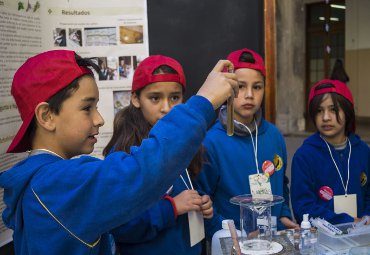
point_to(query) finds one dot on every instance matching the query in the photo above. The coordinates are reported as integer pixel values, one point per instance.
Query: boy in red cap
(158, 86)
(257, 148)
(59, 205)
(330, 170)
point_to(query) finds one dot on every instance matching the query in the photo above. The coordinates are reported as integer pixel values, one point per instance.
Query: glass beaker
(255, 220)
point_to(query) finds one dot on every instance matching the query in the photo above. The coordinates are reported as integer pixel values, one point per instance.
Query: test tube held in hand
(230, 112)
(234, 237)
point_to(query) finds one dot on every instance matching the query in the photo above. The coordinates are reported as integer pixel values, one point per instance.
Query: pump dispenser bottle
(305, 246)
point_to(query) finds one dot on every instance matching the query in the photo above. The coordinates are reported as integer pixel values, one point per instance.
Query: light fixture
(334, 19)
(338, 6)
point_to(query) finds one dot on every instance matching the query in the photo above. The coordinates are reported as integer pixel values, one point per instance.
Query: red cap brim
(21, 141)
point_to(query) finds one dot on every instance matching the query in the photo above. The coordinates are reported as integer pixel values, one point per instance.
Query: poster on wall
(114, 33)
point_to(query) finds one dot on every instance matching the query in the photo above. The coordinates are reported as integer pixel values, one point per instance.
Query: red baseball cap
(144, 72)
(258, 65)
(38, 79)
(339, 88)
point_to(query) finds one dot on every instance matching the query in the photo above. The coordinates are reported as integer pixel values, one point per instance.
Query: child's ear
(44, 116)
(135, 100)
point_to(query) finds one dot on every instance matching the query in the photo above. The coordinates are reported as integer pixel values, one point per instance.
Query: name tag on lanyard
(346, 204)
(195, 218)
(196, 227)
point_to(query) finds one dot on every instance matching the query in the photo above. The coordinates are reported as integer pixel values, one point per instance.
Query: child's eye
(175, 98)
(154, 98)
(257, 86)
(87, 108)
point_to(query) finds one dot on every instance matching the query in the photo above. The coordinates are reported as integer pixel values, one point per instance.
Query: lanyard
(191, 185)
(43, 151)
(255, 145)
(349, 157)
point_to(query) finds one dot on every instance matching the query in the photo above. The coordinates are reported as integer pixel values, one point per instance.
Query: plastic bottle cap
(225, 225)
(305, 224)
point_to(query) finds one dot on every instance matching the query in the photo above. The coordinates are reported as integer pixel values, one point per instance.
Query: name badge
(196, 227)
(260, 186)
(346, 204)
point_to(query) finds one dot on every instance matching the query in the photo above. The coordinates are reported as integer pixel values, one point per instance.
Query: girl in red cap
(158, 86)
(330, 170)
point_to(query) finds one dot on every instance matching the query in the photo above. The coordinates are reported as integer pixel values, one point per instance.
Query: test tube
(234, 237)
(230, 112)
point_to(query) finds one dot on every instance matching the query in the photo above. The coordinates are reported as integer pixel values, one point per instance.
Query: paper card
(260, 186)
(346, 204)
(196, 227)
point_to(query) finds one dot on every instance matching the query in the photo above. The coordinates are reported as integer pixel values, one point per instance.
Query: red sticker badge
(326, 193)
(268, 168)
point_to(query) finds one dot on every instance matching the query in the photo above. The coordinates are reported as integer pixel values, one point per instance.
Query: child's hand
(207, 208)
(288, 223)
(357, 220)
(219, 85)
(188, 200)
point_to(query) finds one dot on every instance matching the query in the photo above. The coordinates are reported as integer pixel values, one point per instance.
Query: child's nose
(326, 115)
(166, 107)
(248, 93)
(99, 121)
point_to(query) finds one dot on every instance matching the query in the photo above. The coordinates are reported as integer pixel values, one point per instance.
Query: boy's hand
(188, 200)
(207, 208)
(219, 86)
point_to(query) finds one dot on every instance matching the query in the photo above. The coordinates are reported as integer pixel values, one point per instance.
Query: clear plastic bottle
(314, 242)
(224, 232)
(305, 245)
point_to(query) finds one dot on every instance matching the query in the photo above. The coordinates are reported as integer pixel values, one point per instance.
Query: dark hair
(247, 57)
(55, 102)
(164, 69)
(338, 72)
(338, 101)
(130, 128)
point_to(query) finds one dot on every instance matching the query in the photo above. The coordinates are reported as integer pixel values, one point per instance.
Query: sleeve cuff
(169, 198)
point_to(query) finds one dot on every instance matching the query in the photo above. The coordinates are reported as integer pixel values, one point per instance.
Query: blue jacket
(61, 207)
(231, 161)
(313, 168)
(157, 231)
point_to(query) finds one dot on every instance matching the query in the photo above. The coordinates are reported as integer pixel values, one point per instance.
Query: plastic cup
(362, 250)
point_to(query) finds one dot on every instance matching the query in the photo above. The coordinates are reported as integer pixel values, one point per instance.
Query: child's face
(251, 91)
(330, 128)
(78, 122)
(157, 99)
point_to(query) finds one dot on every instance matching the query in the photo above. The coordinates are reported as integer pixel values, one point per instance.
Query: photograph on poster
(131, 34)
(136, 60)
(74, 37)
(125, 67)
(108, 67)
(112, 64)
(60, 38)
(100, 36)
(121, 99)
